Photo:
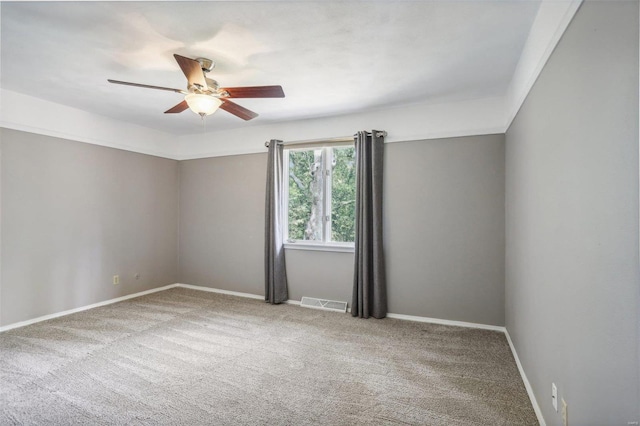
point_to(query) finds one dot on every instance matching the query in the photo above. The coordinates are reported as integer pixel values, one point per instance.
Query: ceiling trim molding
(263, 149)
(547, 29)
(30, 114)
(402, 123)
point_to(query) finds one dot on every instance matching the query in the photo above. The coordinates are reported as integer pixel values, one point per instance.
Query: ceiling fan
(204, 96)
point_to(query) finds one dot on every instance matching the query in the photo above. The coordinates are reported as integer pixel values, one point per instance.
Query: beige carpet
(185, 357)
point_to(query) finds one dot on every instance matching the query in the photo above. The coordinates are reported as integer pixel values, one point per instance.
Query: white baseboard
(446, 322)
(232, 293)
(218, 290)
(82, 308)
(527, 385)
(239, 294)
(389, 315)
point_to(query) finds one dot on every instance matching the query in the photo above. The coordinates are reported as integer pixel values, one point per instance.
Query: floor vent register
(326, 305)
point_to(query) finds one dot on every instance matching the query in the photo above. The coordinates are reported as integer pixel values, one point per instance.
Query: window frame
(325, 244)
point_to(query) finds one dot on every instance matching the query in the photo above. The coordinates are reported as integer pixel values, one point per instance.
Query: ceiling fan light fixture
(204, 96)
(202, 104)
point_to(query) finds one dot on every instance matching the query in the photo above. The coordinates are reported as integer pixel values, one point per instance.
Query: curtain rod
(325, 140)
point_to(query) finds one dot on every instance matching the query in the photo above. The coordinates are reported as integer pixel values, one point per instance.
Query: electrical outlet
(136, 276)
(565, 414)
(554, 396)
(116, 279)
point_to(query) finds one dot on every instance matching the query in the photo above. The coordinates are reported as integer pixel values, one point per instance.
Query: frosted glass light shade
(202, 104)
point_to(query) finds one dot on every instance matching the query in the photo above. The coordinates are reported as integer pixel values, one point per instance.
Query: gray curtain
(369, 283)
(274, 264)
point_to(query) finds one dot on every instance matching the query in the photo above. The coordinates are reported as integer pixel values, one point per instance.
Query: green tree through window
(321, 194)
(343, 195)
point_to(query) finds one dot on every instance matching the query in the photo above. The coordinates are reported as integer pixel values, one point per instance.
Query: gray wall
(572, 284)
(327, 275)
(444, 230)
(222, 222)
(74, 215)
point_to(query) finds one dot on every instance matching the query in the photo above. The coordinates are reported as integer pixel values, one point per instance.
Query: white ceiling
(330, 57)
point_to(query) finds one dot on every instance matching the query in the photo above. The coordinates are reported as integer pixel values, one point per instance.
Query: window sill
(320, 247)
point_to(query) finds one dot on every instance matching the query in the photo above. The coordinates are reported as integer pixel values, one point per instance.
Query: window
(320, 196)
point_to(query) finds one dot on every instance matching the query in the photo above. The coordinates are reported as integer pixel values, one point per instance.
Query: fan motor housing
(206, 64)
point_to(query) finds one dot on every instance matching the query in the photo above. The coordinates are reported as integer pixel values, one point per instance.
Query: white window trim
(324, 245)
(327, 156)
(321, 246)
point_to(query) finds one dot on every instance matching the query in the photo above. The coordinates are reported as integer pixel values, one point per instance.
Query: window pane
(343, 194)
(305, 195)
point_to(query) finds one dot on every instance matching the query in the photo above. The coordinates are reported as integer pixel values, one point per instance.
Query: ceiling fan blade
(255, 92)
(178, 108)
(192, 70)
(146, 86)
(237, 110)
